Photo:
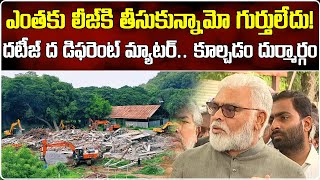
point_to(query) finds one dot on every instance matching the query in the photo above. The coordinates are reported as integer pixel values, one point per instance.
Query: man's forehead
(186, 117)
(282, 106)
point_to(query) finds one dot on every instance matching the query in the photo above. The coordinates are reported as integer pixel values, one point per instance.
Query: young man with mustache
(291, 124)
(239, 115)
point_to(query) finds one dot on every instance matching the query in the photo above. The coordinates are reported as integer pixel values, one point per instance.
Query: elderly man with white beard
(239, 116)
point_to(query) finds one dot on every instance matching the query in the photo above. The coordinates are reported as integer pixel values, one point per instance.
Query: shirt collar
(311, 156)
(253, 150)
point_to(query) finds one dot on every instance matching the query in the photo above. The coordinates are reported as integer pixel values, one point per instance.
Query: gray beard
(240, 140)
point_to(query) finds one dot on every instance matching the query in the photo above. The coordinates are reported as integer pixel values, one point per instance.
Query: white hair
(192, 107)
(260, 93)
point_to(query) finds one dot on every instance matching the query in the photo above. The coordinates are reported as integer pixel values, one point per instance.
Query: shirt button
(234, 170)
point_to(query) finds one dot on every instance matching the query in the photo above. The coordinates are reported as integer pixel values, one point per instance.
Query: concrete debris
(121, 144)
(53, 157)
(36, 134)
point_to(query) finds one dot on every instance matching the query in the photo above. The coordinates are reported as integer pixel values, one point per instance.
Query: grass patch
(72, 174)
(79, 170)
(101, 162)
(122, 176)
(151, 170)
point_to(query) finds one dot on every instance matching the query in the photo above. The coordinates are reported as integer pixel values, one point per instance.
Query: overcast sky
(114, 79)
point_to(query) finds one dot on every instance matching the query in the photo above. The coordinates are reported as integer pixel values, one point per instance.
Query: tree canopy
(46, 100)
(22, 163)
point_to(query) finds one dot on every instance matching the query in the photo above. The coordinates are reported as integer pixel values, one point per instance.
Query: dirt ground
(104, 172)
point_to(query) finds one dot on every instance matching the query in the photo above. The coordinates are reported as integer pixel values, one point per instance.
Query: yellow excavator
(10, 132)
(165, 127)
(68, 126)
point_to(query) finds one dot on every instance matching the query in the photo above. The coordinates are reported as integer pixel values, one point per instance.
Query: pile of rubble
(36, 134)
(121, 144)
(136, 144)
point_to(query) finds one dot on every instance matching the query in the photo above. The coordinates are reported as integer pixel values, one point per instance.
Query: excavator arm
(61, 124)
(79, 154)
(164, 127)
(19, 124)
(98, 122)
(45, 146)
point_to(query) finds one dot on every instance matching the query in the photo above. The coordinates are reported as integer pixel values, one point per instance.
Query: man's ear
(261, 118)
(198, 130)
(307, 124)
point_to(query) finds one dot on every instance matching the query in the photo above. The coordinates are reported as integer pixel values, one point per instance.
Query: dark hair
(300, 102)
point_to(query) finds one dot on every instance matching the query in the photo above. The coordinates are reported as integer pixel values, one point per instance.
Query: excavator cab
(78, 153)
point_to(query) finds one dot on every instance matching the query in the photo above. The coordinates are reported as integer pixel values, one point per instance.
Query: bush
(62, 168)
(23, 164)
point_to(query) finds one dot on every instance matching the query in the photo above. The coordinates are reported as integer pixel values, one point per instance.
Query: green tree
(35, 98)
(98, 108)
(173, 99)
(175, 80)
(23, 164)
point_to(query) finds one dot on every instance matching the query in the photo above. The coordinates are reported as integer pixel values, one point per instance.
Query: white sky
(114, 79)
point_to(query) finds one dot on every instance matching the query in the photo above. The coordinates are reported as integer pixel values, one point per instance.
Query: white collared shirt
(311, 165)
